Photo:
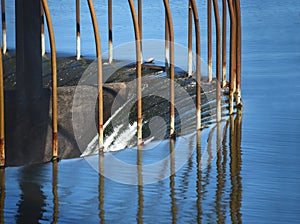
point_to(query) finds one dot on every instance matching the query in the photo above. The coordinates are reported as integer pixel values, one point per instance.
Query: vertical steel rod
(138, 70)
(2, 142)
(99, 73)
(43, 31)
(54, 79)
(78, 30)
(209, 41)
(172, 94)
(218, 58)
(198, 63)
(238, 52)
(3, 27)
(224, 29)
(232, 80)
(190, 41)
(110, 36)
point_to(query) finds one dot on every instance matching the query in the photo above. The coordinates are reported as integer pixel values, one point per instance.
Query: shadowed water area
(246, 169)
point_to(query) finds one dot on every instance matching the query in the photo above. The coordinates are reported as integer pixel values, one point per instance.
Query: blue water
(257, 181)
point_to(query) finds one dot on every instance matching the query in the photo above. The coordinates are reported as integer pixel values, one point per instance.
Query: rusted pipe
(209, 41)
(167, 46)
(198, 63)
(140, 18)
(172, 90)
(232, 80)
(110, 38)
(3, 27)
(138, 70)
(224, 42)
(218, 58)
(42, 31)
(190, 41)
(2, 142)
(78, 30)
(99, 72)
(238, 53)
(54, 80)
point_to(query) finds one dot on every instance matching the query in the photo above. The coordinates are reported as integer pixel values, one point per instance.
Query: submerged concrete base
(28, 134)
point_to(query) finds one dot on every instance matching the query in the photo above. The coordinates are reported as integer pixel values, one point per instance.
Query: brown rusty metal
(198, 64)
(2, 142)
(138, 70)
(209, 41)
(190, 41)
(238, 52)
(218, 58)
(110, 36)
(172, 87)
(43, 31)
(78, 30)
(232, 80)
(167, 46)
(54, 78)
(224, 42)
(140, 18)
(3, 27)
(99, 73)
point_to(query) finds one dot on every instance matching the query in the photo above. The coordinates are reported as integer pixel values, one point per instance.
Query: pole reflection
(2, 194)
(101, 187)
(235, 167)
(172, 181)
(199, 178)
(54, 192)
(140, 185)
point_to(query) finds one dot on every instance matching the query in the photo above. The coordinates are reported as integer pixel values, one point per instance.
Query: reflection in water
(2, 194)
(101, 187)
(54, 192)
(32, 198)
(211, 179)
(199, 178)
(172, 181)
(140, 185)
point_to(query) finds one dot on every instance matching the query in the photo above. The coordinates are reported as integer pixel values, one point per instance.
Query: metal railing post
(138, 71)
(190, 41)
(232, 80)
(54, 79)
(224, 42)
(172, 90)
(198, 64)
(99, 73)
(209, 41)
(218, 59)
(238, 52)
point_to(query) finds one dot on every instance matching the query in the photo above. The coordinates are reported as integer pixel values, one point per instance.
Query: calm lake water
(249, 172)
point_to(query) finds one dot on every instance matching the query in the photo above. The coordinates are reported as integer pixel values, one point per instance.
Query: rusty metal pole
(198, 63)
(54, 79)
(238, 53)
(99, 73)
(190, 41)
(224, 29)
(140, 21)
(110, 36)
(209, 41)
(78, 30)
(3, 27)
(232, 80)
(167, 46)
(218, 58)
(172, 88)
(2, 142)
(42, 31)
(138, 70)
(55, 192)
